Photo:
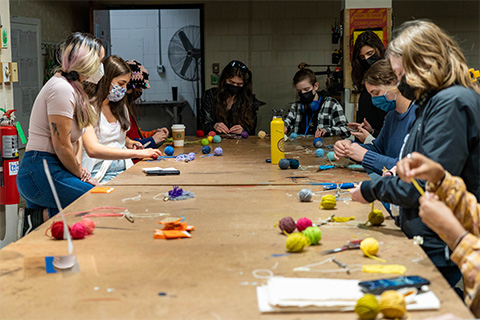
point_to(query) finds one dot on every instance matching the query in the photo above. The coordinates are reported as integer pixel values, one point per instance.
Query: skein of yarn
(328, 202)
(206, 149)
(57, 230)
(294, 164)
(320, 153)
(204, 141)
(331, 156)
(88, 224)
(287, 225)
(78, 231)
(210, 138)
(303, 223)
(191, 156)
(375, 217)
(314, 234)
(212, 134)
(305, 195)
(367, 307)
(169, 150)
(284, 164)
(369, 247)
(392, 304)
(216, 139)
(200, 133)
(296, 242)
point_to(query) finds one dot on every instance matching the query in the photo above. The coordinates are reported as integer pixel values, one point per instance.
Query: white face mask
(94, 78)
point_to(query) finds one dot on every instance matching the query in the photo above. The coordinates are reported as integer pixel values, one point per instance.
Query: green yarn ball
(205, 141)
(314, 234)
(331, 156)
(216, 139)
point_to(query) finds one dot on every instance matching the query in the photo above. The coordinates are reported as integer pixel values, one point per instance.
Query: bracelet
(459, 239)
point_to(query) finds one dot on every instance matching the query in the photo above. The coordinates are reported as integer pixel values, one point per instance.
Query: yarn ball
(218, 151)
(392, 304)
(331, 156)
(284, 164)
(314, 234)
(169, 150)
(296, 242)
(78, 231)
(305, 195)
(200, 133)
(293, 136)
(328, 202)
(210, 138)
(320, 153)
(369, 246)
(57, 230)
(212, 134)
(317, 142)
(375, 217)
(294, 164)
(303, 223)
(216, 139)
(206, 149)
(367, 307)
(204, 142)
(245, 134)
(88, 224)
(262, 134)
(191, 156)
(287, 225)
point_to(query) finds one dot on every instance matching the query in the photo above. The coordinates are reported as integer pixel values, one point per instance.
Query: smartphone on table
(378, 286)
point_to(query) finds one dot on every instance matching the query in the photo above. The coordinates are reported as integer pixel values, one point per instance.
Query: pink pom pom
(89, 225)
(78, 231)
(303, 223)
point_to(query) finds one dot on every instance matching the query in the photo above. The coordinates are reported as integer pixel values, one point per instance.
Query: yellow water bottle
(277, 141)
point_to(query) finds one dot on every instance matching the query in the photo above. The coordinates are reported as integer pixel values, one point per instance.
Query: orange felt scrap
(102, 190)
(176, 225)
(170, 234)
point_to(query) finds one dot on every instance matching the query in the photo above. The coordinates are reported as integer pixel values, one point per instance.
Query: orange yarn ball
(88, 224)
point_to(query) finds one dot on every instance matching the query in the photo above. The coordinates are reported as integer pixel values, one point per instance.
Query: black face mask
(233, 90)
(306, 98)
(406, 90)
(366, 63)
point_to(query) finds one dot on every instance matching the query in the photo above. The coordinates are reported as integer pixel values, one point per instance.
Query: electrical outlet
(14, 71)
(6, 72)
(161, 68)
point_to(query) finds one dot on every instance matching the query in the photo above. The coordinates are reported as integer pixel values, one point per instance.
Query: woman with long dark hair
(231, 107)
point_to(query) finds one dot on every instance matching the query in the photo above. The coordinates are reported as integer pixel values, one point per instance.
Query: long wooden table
(126, 274)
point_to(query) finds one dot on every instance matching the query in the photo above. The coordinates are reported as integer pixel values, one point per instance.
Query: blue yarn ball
(216, 139)
(218, 151)
(293, 136)
(294, 164)
(331, 156)
(320, 153)
(284, 164)
(169, 150)
(206, 149)
(317, 142)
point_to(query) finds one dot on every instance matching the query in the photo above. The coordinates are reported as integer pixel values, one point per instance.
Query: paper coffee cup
(178, 134)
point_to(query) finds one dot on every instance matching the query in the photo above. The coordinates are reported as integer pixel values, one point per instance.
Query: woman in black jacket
(231, 107)
(446, 130)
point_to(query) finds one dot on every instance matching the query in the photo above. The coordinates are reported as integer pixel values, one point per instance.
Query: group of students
(417, 106)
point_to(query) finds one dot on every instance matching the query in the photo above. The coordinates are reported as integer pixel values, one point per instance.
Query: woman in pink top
(59, 117)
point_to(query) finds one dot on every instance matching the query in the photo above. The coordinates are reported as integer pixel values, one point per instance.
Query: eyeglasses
(238, 64)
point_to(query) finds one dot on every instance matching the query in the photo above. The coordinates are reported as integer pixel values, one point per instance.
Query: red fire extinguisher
(9, 154)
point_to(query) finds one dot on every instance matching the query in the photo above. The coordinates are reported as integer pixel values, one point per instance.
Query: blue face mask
(382, 103)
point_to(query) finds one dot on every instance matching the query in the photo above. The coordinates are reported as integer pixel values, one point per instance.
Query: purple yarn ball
(218, 151)
(191, 156)
(245, 134)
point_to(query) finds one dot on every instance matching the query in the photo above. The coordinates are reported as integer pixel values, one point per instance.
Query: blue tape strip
(326, 167)
(49, 265)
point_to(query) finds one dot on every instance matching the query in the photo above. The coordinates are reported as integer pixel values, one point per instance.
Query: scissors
(355, 244)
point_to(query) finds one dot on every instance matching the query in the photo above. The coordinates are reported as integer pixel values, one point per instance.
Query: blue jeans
(33, 185)
(117, 167)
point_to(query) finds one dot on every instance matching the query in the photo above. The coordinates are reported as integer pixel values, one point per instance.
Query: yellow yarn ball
(210, 138)
(375, 217)
(392, 304)
(296, 242)
(328, 201)
(369, 246)
(367, 307)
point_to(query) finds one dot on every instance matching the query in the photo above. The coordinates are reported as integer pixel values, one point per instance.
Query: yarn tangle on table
(175, 192)
(328, 202)
(367, 307)
(287, 225)
(78, 231)
(296, 242)
(284, 164)
(89, 225)
(369, 247)
(314, 234)
(392, 304)
(305, 195)
(303, 223)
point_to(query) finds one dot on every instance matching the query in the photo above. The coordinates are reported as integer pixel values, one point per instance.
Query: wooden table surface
(126, 274)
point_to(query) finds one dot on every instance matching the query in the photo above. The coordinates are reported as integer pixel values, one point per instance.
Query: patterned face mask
(116, 94)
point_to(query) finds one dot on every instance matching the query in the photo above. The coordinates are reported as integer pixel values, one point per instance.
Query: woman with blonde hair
(446, 130)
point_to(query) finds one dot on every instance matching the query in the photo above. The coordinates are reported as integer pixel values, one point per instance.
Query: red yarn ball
(78, 231)
(303, 223)
(287, 224)
(212, 133)
(57, 230)
(200, 133)
(88, 224)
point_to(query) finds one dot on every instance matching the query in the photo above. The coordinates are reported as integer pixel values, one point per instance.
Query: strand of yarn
(296, 242)
(137, 198)
(370, 247)
(305, 195)
(392, 304)
(384, 268)
(97, 209)
(367, 307)
(314, 234)
(342, 219)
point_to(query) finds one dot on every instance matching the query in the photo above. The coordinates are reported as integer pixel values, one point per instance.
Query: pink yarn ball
(78, 231)
(88, 224)
(287, 224)
(303, 223)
